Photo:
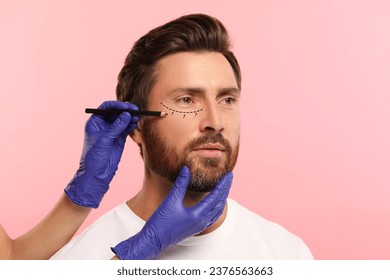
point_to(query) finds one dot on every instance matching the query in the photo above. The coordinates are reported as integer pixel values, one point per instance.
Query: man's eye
(186, 100)
(229, 100)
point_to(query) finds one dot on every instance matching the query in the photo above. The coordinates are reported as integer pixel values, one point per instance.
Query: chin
(201, 189)
(204, 180)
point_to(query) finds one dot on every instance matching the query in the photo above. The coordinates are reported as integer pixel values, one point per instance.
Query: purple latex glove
(104, 140)
(172, 222)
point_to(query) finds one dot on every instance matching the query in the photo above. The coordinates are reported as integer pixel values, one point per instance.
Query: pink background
(315, 151)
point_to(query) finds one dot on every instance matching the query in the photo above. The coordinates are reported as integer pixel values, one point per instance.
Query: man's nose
(211, 119)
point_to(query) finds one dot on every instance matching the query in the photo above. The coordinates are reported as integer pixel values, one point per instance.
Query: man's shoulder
(247, 217)
(266, 232)
(243, 214)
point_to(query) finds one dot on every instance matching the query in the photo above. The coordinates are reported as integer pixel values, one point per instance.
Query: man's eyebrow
(188, 90)
(230, 90)
(195, 90)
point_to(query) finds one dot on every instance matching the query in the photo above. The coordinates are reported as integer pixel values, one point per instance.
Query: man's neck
(154, 191)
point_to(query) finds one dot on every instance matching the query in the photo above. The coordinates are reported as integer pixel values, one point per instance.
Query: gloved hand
(104, 140)
(172, 222)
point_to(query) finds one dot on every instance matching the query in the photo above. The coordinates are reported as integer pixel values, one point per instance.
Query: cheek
(177, 129)
(234, 125)
(236, 136)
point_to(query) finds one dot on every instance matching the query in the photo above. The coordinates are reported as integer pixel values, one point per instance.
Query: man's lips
(210, 150)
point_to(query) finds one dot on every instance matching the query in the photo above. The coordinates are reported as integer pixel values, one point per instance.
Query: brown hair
(196, 32)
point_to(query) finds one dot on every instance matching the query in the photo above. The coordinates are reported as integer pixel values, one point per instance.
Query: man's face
(202, 130)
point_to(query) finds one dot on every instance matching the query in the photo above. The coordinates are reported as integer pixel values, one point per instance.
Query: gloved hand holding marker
(105, 137)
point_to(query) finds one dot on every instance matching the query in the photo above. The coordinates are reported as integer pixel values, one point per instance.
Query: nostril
(209, 128)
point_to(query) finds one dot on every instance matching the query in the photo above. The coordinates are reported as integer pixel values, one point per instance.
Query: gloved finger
(214, 200)
(121, 140)
(116, 105)
(180, 186)
(118, 126)
(95, 122)
(128, 130)
(227, 181)
(131, 127)
(134, 119)
(217, 215)
(223, 197)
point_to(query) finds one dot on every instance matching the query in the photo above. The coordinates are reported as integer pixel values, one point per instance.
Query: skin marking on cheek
(181, 112)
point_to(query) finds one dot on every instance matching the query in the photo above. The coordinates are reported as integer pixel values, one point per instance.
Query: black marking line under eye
(181, 112)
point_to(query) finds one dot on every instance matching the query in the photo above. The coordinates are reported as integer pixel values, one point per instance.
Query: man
(186, 69)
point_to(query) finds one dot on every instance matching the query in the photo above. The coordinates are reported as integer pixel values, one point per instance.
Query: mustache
(211, 137)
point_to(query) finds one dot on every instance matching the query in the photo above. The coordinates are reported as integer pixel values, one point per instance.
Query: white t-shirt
(243, 235)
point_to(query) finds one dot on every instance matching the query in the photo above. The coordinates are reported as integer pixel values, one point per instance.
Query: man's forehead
(190, 72)
(191, 57)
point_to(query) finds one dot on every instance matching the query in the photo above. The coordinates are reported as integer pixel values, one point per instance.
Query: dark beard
(162, 158)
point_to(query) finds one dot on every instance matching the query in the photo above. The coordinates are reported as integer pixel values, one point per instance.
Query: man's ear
(136, 134)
